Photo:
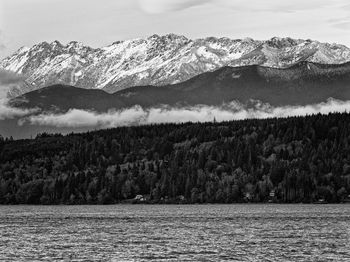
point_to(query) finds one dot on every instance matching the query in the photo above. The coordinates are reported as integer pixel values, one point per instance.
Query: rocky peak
(278, 42)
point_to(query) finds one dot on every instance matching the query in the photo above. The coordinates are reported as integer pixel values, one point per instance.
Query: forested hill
(299, 159)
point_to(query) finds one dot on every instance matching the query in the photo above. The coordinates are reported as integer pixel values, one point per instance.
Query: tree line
(287, 160)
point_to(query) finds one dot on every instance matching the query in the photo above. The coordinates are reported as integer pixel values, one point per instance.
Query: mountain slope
(302, 84)
(63, 97)
(158, 60)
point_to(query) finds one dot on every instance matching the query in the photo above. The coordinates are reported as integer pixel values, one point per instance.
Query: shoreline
(177, 204)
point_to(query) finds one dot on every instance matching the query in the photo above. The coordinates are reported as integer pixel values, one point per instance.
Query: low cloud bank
(165, 114)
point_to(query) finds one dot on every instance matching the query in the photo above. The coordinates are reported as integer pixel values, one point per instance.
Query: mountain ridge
(158, 60)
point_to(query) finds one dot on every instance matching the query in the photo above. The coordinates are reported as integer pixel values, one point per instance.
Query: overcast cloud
(163, 6)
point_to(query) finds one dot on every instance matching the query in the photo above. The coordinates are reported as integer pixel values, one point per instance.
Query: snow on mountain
(157, 60)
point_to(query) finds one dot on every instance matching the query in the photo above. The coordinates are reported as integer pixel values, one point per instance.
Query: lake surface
(175, 233)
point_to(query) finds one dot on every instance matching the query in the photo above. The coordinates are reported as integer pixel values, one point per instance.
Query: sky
(101, 22)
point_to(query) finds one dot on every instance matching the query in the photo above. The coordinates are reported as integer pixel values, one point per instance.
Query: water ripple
(175, 233)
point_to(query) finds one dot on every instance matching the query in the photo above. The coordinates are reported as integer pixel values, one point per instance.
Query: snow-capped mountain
(157, 60)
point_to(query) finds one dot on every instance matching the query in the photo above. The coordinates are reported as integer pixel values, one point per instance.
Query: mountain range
(64, 88)
(157, 60)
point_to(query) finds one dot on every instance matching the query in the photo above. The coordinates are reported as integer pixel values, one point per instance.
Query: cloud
(8, 112)
(137, 115)
(346, 7)
(7, 80)
(164, 6)
(273, 5)
(342, 25)
(2, 45)
(82, 118)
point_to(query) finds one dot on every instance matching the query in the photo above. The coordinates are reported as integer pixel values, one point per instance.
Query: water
(175, 233)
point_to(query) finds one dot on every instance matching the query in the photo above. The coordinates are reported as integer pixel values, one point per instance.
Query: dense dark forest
(291, 160)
